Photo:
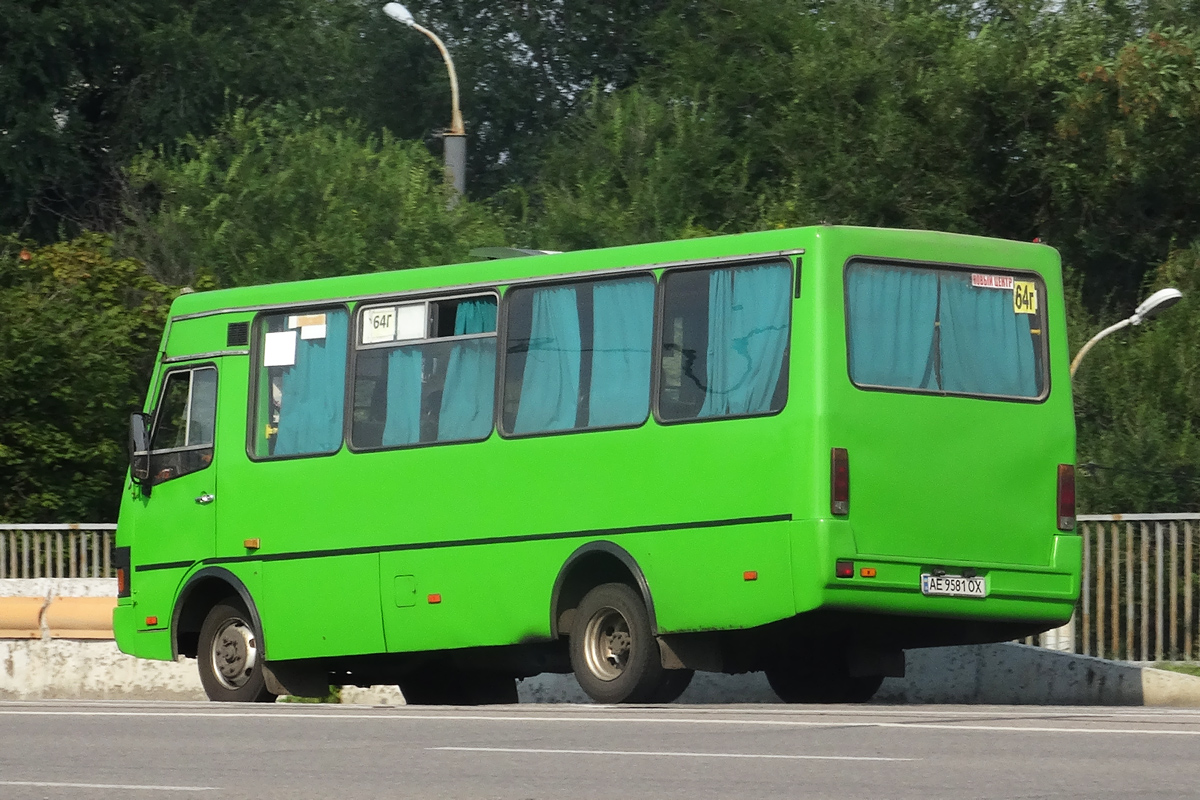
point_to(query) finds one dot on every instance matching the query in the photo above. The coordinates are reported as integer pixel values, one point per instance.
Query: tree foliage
(77, 342)
(200, 137)
(84, 86)
(1137, 400)
(282, 195)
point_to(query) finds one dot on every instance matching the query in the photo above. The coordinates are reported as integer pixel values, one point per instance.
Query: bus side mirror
(139, 451)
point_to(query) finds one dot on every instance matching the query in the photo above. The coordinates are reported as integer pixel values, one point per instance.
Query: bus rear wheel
(613, 650)
(229, 657)
(825, 684)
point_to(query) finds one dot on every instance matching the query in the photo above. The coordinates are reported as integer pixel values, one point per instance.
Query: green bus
(796, 451)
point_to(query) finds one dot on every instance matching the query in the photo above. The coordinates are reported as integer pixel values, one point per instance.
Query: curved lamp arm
(1091, 342)
(402, 15)
(1152, 306)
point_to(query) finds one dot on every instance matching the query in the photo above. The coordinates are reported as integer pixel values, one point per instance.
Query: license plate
(953, 586)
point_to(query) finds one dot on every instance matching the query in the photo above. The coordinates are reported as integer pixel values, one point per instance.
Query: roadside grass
(1186, 667)
(334, 696)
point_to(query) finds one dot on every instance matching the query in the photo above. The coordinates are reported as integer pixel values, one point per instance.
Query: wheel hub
(607, 644)
(234, 653)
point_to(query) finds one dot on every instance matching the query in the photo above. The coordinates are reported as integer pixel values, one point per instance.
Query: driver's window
(182, 439)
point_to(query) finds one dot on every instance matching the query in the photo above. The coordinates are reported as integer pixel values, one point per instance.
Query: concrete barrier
(57, 608)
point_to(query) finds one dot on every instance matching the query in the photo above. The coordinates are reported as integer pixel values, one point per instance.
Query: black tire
(613, 651)
(229, 657)
(828, 684)
(675, 683)
(448, 687)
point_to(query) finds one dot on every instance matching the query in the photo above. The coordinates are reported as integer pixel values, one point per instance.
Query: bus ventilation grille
(238, 334)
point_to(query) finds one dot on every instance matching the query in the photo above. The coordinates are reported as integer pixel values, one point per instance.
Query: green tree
(84, 85)
(1137, 401)
(285, 195)
(78, 338)
(1125, 188)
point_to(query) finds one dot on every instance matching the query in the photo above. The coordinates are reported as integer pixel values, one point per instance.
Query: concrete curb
(75, 610)
(989, 674)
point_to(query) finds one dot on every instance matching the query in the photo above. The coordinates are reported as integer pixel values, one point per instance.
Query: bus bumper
(1039, 597)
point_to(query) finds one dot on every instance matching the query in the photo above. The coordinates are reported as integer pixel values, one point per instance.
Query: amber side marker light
(151, 620)
(867, 572)
(839, 481)
(750, 575)
(434, 599)
(1066, 497)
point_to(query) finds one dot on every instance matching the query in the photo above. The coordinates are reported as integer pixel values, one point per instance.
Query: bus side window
(424, 372)
(578, 356)
(725, 341)
(301, 380)
(182, 439)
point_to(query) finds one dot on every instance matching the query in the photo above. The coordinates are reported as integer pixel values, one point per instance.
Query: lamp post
(454, 141)
(1150, 307)
(1063, 638)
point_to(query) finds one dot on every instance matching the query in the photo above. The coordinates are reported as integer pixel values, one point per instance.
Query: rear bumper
(1031, 597)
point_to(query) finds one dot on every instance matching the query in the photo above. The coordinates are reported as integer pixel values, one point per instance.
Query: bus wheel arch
(592, 565)
(202, 592)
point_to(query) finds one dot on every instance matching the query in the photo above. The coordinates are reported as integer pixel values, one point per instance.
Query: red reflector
(844, 569)
(750, 575)
(1066, 497)
(839, 481)
(122, 584)
(151, 620)
(867, 572)
(434, 599)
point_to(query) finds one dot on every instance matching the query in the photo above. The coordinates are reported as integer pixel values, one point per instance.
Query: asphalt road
(182, 750)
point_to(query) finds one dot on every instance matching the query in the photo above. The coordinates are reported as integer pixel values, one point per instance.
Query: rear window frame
(941, 266)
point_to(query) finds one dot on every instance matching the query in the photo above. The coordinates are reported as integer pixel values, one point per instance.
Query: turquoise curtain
(890, 336)
(470, 388)
(402, 421)
(622, 335)
(313, 392)
(986, 348)
(747, 338)
(550, 384)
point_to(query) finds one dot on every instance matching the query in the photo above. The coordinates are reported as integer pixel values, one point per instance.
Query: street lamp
(1150, 307)
(455, 139)
(1063, 638)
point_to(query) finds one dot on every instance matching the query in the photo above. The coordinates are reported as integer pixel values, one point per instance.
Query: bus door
(176, 524)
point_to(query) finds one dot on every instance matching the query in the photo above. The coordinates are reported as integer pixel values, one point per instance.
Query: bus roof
(637, 256)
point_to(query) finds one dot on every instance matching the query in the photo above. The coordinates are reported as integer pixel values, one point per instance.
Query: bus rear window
(945, 331)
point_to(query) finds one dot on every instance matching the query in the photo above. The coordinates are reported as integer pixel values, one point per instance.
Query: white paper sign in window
(379, 325)
(410, 321)
(280, 349)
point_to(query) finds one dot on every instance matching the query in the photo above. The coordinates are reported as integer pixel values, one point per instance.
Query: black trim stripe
(531, 537)
(164, 565)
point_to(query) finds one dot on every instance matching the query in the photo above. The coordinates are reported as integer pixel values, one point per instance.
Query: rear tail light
(1066, 497)
(839, 482)
(124, 569)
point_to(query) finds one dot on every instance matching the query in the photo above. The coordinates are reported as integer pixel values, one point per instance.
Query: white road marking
(52, 784)
(667, 753)
(393, 717)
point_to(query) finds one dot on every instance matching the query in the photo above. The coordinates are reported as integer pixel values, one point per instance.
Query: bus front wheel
(230, 660)
(613, 650)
